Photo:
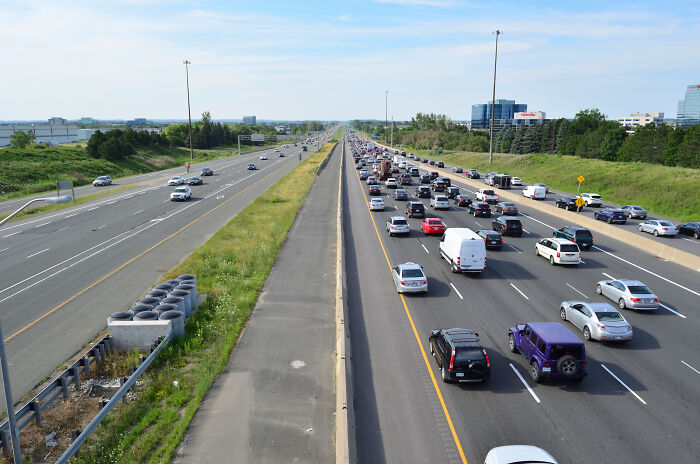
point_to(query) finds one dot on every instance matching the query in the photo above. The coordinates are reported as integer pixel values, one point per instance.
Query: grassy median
(231, 268)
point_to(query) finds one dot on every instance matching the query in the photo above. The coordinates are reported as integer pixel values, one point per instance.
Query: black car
(452, 192)
(480, 208)
(506, 207)
(438, 186)
(400, 194)
(440, 164)
(433, 175)
(567, 203)
(463, 200)
(457, 169)
(375, 190)
(424, 160)
(459, 355)
(206, 172)
(473, 174)
(251, 167)
(690, 228)
(415, 209)
(195, 180)
(405, 179)
(492, 240)
(414, 172)
(507, 226)
(281, 155)
(425, 179)
(446, 180)
(423, 192)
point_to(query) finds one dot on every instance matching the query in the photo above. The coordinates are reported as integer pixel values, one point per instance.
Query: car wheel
(587, 333)
(562, 314)
(535, 372)
(391, 234)
(567, 366)
(622, 304)
(641, 229)
(537, 251)
(445, 376)
(511, 343)
(432, 351)
(696, 235)
(595, 216)
(599, 289)
(656, 233)
(609, 220)
(551, 260)
(455, 269)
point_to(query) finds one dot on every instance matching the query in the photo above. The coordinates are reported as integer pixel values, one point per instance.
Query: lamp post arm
(15, 213)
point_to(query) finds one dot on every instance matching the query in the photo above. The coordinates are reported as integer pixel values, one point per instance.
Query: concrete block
(127, 335)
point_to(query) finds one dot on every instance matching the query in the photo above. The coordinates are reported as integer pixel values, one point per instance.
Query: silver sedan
(409, 277)
(657, 228)
(598, 321)
(628, 294)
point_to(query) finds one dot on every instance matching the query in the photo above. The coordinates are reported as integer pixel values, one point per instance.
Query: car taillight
(583, 363)
(574, 239)
(656, 300)
(629, 327)
(635, 299)
(457, 260)
(501, 240)
(452, 360)
(484, 239)
(402, 282)
(601, 326)
(558, 254)
(546, 364)
(664, 228)
(488, 363)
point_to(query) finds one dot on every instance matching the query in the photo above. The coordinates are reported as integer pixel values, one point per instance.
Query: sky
(332, 60)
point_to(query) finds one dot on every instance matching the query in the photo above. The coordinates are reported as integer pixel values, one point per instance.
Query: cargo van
(397, 159)
(463, 249)
(536, 193)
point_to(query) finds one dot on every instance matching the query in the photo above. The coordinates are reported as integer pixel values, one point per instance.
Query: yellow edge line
(135, 258)
(415, 333)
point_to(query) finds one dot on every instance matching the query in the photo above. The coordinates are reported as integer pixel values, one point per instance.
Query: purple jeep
(552, 351)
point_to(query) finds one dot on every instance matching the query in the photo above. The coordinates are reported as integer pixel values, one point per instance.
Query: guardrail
(323, 164)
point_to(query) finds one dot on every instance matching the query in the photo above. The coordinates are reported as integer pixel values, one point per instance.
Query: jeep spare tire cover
(567, 365)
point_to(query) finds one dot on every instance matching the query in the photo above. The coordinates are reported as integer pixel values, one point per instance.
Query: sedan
(440, 164)
(281, 155)
(433, 225)
(102, 180)
(518, 453)
(516, 182)
(568, 203)
(598, 321)
(424, 160)
(628, 294)
(480, 208)
(181, 194)
(473, 174)
(492, 240)
(206, 172)
(457, 169)
(431, 162)
(690, 228)
(376, 204)
(634, 212)
(409, 278)
(195, 181)
(263, 156)
(611, 215)
(251, 167)
(177, 180)
(375, 190)
(658, 227)
(364, 174)
(391, 183)
(425, 179)
(463, 200)
(400, 194)
(506, 208)
(371, 180)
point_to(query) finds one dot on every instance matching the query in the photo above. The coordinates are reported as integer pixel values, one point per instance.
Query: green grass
(231, 267)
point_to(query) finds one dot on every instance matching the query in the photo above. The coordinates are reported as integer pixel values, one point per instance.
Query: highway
(639, 403)
(62, 273)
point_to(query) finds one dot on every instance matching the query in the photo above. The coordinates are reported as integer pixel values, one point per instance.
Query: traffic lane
(394, 406)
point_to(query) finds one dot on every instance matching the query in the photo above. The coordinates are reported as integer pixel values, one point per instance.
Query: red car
(432, 226)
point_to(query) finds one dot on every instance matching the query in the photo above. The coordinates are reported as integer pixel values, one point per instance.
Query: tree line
(117, 144)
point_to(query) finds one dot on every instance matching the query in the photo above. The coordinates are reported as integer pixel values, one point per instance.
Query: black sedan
(400, 194)
(375, 190)
(567, 203)
(424, 160)
(690, 228)
(463, 200)
(195, 180)
(480, 208)
(492, 240)
(251, 167)
(206, 172)
(506, 207)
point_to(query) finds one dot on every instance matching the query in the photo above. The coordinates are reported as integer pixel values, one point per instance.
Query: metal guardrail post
(85, 361)
(5, 441)
(75, 370)
(63, 383)
(36, 407)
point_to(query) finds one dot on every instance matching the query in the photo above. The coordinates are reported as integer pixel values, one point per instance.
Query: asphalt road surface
(62, 273)
(639, 403)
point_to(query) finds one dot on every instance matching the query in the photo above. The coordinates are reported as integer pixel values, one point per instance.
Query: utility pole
(493, 99)
(189, 113)
(386, 113)
(392, 132)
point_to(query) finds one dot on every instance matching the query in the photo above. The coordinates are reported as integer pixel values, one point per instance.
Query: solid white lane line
(137, 212)
(426, 250)
(526, 231)
(514, 248)
(456, 291)
(37, 253)
(518, 290)
(71, 215)
(39, 225)
(690, 240)
(536, 220)
(691, 367)
(623, 384)
(571, 287)
(674, 312)
(583, 262)
(92, 209)
(647, 270)
(524, 382)
(478, 224)
(10, 235)
(609, 276)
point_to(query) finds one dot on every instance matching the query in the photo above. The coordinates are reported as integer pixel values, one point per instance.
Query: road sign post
(579, 202)
(580, 180)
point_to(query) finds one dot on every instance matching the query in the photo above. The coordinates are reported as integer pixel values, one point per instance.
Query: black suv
(567, 203)
(492, 239)
(405, 179)
(425, 179)
(439, 186)
(579, 235)
(480, 208)
(433, 175)
(415, 209)
(459, 355)
(446, 180)
(423, 192)
(452, 192)
(507, 226)
(440, 164)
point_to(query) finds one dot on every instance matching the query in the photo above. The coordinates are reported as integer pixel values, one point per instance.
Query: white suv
(439, 202)
(558, 251)
(177, 180)
(592, 199)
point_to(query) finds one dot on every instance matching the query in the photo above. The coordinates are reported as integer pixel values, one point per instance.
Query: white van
(536, 193)
(464, 249)
(397, 159)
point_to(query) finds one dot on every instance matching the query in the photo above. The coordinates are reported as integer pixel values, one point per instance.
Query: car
(440, 164)
(432, 225)
(263, 156)
(598, 321)
(376, 204)
(634, 212)
(415, 172)
(518, 453)
(446, 180)
(194, 180)
(400, 194)
(568, 203)
(423, 192)
(506, 207)
(592, 199)
(395, 170)
(397, 225)
(425, 178)
(181, 194)
(424, 160)
(391, 183)
(658, 227)
(551, 350)
(631, 294)
(277, 149)
(282, 155)
(405, 179)
(690, 228)
(463, 200)
(473, 174)
(415, 209)
(357, 165)
(507, 226)
(438, 186)
(558, 251)
(206, 172)
(176, 180)
(487, 195)
(374, 190)
(251, 167)
(102, 181)
(546, 189)
(433, 175)
(579, 235)
(516, 181)
(492, 240)
(364, 174)
(457, 169)
(410, 278)
(452, 192)
(431, 162)
(534, 192)
(459, 355)
(611, 215)
(439, 202)
(371, 180)
(480, 208)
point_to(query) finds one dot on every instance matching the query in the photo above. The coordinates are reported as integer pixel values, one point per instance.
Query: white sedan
(376, 204)
(598, 321)
(657, 228)
(263, 156)
(177, 180)
(181, 194)
(516, 182)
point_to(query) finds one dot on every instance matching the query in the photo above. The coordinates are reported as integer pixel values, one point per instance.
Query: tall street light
(386, 113)
(493, 99)
(189, 113)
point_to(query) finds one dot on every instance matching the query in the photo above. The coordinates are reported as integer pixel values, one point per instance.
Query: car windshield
(638, 208)
(412, 273)
(488, 192)
(639, 290)
(608, 316)
(569, 248)
(557, 351)
(468, 354)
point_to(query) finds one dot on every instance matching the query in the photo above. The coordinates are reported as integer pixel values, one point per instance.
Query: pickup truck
(487, 195)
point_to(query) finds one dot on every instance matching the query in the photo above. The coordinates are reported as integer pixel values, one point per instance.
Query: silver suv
(439, 202)
(397, 225)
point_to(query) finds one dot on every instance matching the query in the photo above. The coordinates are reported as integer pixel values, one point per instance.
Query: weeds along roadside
(231, 268)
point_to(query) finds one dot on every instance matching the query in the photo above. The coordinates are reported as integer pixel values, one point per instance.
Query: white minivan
(534, 192)
(464, 250)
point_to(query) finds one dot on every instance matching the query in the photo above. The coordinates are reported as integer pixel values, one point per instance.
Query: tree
(646, 145)
(547, 140)
(560, 140)
(586, 120)
(507, 137)
(517, 146)
(531, 140)
(612, 142)
(689, 150)
(674, 141)
(20, 139)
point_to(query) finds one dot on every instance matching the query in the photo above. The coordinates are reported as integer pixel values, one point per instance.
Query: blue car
(611, 215)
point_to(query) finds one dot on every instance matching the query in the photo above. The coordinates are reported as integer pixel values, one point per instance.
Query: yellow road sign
(580, 202)
(580, 179)
(411, 147)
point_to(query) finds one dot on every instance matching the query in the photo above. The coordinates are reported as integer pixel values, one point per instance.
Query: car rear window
(557, 351)
(665, 223)
(407, 273)
(468, 354)
(399, 222)
(583, 234)
(607, 316)
(488, 192)
(569, 248)
(639, 289)
(513, 224)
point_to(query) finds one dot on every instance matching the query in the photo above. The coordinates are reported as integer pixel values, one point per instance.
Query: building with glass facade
(689, 108)
(504, 113)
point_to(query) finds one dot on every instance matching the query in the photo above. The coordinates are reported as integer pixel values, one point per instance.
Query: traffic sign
(580, 179)
(580, 202)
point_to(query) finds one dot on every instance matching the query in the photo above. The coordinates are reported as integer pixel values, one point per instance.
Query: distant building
(137, 122)
(87, 120)
(641, 119)
(689, 108)
(503, 112)
(249, 120)
(56, 121)
(50, 134)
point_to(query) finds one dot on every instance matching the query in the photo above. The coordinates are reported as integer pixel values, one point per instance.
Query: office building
(249, 120)
(641, 119)
(689, 108)
(504, 113)
(50, 134)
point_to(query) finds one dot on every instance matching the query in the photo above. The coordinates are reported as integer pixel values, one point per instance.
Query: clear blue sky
(334, 60)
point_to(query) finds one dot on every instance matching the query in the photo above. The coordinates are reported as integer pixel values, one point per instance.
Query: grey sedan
(628, 294)
(409, 277)
(657, 228)
(634, 212)
(598, 321)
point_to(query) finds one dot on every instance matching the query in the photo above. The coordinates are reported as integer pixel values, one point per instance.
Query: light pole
(493, 99)
(189, 113)
(386, 113)
(392, 132)
(50, 200)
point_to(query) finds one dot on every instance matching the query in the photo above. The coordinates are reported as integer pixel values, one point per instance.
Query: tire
(454, 268)
(656, 233)
(445, 376)
(587, 333)
(391, 234)
(599, 289)
(640, 229)
(696, 235)
(511, 343)
(535, 373)
(595, 216)
(621, 303)
(567, 366)
(562, 314)
(609, 220)
(432, 351)
(537, 251)
(551, 260)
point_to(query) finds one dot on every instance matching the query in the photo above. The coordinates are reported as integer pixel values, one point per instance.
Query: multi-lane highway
(639, 403)
(62, 273)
